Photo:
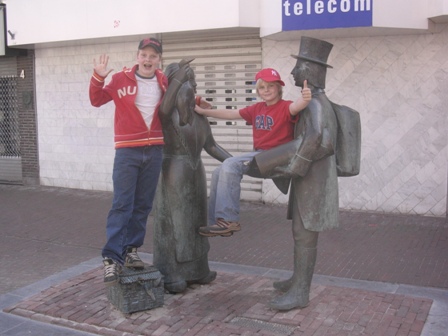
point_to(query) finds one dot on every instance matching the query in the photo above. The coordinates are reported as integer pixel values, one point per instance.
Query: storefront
(18, 142)
(388, 62)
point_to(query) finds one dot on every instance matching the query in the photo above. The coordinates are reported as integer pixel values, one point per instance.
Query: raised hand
(101, 67)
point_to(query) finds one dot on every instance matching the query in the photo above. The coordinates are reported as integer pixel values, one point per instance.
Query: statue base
(137, 290)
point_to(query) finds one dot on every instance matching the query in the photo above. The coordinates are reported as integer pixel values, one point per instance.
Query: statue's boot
(297, 296)
(181, 285)
(283, 285)
(176, 287)
(205, 280)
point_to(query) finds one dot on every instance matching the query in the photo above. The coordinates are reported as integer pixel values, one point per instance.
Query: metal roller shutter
(225, 66)
(10, 157)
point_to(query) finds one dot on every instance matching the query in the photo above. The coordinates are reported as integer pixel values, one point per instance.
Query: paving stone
(333, 309)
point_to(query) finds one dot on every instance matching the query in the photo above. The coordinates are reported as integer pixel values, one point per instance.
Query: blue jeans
(135, 177)
(225, 188)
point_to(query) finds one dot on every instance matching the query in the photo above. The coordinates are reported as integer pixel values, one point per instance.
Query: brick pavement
(67, 226)
(234, 304)
(47, 230)
(367, 246)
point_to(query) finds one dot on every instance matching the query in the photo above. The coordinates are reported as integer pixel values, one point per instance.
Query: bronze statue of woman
(180, 207)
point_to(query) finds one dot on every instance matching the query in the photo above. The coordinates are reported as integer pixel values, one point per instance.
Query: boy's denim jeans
(135, 176)
(225, 188)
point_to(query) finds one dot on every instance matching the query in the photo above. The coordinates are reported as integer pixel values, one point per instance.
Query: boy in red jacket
(136, 93)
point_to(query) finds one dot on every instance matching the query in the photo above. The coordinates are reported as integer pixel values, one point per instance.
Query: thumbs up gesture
(306, 91)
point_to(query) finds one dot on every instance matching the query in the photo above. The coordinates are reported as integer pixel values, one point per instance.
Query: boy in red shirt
(272, 124)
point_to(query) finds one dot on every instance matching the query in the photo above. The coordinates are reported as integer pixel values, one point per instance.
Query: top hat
(314, 50)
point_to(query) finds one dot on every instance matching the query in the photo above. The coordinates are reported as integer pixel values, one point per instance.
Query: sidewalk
(376, 274)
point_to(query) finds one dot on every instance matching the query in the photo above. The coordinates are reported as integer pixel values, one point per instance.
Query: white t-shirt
(148, 96)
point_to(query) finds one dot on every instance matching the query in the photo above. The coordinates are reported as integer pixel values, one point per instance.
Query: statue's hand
(281, 171)
(294, 169)
(299, 166)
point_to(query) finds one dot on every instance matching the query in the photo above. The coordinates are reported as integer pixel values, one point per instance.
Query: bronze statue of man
(180, 208)
(314, 168)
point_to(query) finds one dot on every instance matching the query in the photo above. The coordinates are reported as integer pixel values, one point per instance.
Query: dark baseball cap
(151, 42)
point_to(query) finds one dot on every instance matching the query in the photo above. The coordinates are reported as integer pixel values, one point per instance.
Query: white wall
(437, 8)
(412, 14)
(270, 17)
(41, 21)
(75, 140)
(398, 84)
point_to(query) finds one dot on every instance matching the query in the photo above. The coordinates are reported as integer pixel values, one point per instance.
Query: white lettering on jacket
(130, 90)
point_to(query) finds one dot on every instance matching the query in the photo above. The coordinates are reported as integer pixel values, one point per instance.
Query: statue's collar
(316, 90)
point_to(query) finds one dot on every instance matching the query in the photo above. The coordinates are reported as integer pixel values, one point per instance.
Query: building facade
(388, 66)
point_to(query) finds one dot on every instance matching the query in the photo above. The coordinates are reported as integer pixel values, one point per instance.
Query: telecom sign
(325, 14)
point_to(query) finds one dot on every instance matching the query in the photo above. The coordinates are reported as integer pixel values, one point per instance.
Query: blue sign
(325, 14)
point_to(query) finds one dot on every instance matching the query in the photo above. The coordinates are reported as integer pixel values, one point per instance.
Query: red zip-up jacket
(129, 126)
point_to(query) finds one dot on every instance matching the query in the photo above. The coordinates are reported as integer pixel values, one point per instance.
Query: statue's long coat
(180, 207)
(316, 192)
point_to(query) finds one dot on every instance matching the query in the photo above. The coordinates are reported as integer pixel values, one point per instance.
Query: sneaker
(203, 231)
(111, 271)
(222, 228)
(132, 259)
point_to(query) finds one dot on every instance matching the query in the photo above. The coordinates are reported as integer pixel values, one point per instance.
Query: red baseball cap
(269, 75)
